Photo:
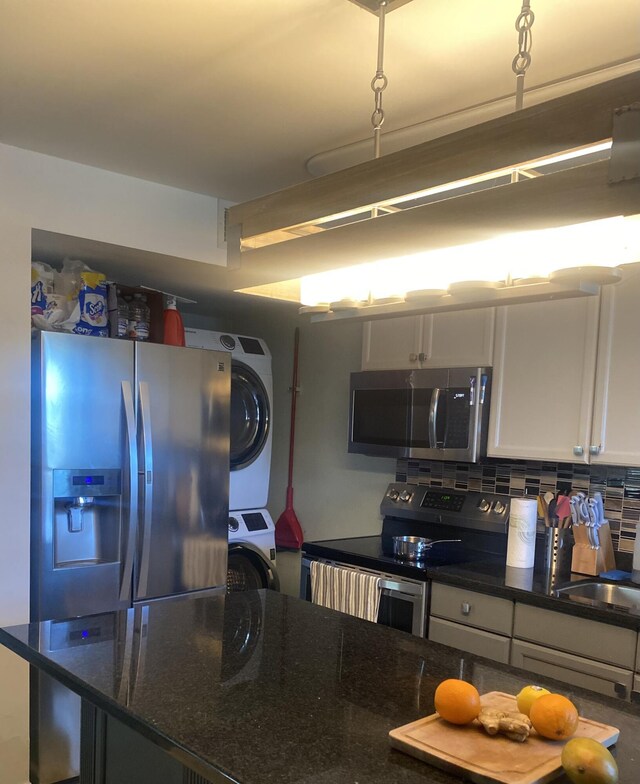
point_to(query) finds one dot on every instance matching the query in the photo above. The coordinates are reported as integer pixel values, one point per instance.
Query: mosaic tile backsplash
(620, 487)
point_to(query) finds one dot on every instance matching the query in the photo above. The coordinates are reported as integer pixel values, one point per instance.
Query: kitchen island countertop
(260, 687)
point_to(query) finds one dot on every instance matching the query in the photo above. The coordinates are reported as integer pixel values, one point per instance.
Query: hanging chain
(522, 60)
(379, 83)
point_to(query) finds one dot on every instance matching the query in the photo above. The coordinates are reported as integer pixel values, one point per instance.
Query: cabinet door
(543, 375)
(391, 344)
(567, 667)
(615, 437)
(477, 641)
(463, 338)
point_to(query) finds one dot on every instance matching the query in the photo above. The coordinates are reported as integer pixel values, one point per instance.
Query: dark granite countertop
(268, 689)
(480, 572)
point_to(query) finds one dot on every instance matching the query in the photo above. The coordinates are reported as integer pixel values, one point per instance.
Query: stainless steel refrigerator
(130, 488)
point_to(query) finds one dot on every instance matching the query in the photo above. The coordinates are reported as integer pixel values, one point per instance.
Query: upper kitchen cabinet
(462, 338)
(392, 344)
(615, 437)
(543, 371)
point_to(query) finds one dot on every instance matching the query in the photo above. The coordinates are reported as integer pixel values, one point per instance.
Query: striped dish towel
(345, 590)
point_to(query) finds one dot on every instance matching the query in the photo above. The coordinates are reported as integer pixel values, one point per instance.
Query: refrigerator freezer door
(80, 474)
(182, 405)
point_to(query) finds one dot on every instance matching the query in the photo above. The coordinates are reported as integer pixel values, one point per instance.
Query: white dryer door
(250, 416)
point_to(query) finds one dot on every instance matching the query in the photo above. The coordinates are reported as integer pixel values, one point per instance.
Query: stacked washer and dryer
(252, 548)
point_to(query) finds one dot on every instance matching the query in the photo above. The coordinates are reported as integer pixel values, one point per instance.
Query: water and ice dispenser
(87, 512)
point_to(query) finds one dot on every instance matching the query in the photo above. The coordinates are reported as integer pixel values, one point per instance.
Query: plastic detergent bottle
(173, 326)
(139, 317)
(121, 317)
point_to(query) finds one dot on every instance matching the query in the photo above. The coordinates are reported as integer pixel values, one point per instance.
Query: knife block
(585, 559)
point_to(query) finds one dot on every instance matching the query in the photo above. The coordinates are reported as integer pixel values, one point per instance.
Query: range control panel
(464, 508)
(435, 499)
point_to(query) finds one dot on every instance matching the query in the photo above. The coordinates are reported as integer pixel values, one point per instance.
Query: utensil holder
(557, 550)
(589, 560)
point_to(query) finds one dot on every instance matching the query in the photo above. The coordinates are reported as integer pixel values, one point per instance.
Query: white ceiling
(232, 97)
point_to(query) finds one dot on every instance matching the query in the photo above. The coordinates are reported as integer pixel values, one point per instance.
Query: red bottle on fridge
(173, 326)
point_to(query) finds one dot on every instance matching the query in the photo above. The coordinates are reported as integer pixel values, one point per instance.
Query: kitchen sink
(606, 593)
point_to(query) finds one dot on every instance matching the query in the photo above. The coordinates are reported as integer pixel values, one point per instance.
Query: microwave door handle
(433, 416)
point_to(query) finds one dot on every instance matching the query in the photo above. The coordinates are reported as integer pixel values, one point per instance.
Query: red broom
(288, 530)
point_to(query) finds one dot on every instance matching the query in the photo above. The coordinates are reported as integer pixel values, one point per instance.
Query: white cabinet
(566, 378)
(615, 437)
(461, 338)
(543, 377)
(391, 344)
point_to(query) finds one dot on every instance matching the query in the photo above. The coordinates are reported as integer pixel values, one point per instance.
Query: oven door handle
(433, 416)
(401, 587)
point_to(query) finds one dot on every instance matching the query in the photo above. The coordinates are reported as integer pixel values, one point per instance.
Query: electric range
(478, 520)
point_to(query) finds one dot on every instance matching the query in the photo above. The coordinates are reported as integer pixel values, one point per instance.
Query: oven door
(402, 601)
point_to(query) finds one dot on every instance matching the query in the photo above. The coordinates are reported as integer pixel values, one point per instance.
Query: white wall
(339, 493)
(15, 254)
(38, 191)
(69, 198)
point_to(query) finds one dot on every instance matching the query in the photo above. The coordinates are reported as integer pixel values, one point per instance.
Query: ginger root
(516, 726)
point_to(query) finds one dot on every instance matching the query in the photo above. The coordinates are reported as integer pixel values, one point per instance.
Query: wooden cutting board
(470, 753)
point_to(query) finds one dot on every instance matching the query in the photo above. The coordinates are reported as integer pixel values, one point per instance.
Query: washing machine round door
(248, 569)
(250, 416)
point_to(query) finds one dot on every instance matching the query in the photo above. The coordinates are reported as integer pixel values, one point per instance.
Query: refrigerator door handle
(130, 427)
(146, 473)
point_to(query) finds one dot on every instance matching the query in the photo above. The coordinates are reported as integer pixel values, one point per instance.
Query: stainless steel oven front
(403, 601)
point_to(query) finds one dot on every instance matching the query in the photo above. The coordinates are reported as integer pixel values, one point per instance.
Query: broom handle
(294, 397)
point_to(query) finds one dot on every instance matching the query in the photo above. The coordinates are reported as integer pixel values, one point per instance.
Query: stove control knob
(499, 507)
(393, 495)
(484, 505)
(406, 496)
(233, 525)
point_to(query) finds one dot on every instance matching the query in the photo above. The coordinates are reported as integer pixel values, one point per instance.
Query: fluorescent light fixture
(610, 242)
(534, 168)
(496, 204)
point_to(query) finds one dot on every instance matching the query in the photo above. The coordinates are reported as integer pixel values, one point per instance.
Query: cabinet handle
(465, 608)
(422, 356)
(635, 697)
(620, 690)
(413, 357)
(595, 449)
(578, 451)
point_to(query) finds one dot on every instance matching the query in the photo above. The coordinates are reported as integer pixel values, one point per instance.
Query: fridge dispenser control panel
(70, 483)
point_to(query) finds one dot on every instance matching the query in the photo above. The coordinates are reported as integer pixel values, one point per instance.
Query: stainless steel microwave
(439, 414)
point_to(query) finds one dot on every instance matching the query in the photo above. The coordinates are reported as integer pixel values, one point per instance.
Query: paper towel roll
(521, 541)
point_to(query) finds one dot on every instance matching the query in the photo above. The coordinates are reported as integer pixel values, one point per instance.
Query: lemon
(528, 696)
(586, 761)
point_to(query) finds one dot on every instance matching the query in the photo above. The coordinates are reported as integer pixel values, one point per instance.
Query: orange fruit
(457, 701)
(554, 716)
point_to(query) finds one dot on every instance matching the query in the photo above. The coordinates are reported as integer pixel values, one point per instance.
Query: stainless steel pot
(415, 548)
